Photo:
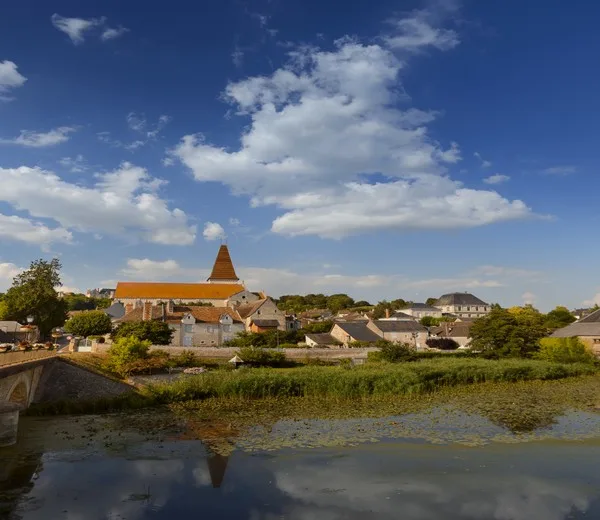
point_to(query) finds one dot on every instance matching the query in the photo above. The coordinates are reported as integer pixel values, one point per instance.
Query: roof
(176, 291)
(588, 326)
(421, 307)
(323, 339)
(266, 323)
(248, 309)
(202, 314)
(116, 310)
(137, 314)
(399, 326)
(10, 326)
(223, 267)
(457, 329)
(459, 299)
(358, 331)
(353, 316)
(401, 316)
(315, 313)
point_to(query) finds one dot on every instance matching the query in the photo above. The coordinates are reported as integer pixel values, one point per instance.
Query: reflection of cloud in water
(357, 492)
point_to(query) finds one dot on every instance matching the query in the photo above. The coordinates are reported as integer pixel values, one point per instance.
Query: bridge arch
(19, 393)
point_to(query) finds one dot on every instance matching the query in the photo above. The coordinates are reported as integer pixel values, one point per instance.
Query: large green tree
(157, 332)
(33, 294)
(558, 318)
(90, 323)
(508, 333)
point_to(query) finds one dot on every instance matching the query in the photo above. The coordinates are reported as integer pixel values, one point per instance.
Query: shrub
(359, 344)
(125, 351)
(442, 343)
(290, 345)
(156, 332)
(89, 323)
(394, 352)
(260, 357)
(186, 359)
(564, 350)
(98, 339)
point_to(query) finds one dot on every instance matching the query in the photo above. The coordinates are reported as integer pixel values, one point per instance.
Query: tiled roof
(457, 329)
(459, 299)
(421, 307)
(137, 314)
(248, 309)
(202, 313)
(399, 326)
(323, 339)
(593, 317)
(402, 316)
(266, 323)
(358, 331)
(176, 291)
(223, 267)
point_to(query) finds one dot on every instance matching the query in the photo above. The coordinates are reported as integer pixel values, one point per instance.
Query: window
(596, 340)
(468, 308)
(458, 308)
(188, 329)
(258, 312)
(187, 341)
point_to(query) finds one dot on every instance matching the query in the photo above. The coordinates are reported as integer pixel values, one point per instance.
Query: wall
(9, 358)
(241, 298)
(593, 342)
(340, 334)
(405, 337)
(202, 335)
(267, 311)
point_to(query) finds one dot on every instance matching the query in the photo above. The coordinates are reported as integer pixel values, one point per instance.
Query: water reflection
(183, 478)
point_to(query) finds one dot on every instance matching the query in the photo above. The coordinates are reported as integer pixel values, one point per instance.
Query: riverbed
(438, 463)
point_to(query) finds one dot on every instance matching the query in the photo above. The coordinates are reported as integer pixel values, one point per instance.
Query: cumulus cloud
(10, 78)
(327, 144)
(498, 178)
(213, 231)
(75, 28)
(147, 269)
(484, 163)
(7, 272)
(122, 201)
(112, 33)
(416, 32)
(20, 229)
(528, 298)
(32, 139)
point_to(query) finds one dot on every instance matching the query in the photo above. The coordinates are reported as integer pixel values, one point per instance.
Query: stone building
(262, 315)
(422, 310)
(400, 331)
(587, 329)
(464, 305)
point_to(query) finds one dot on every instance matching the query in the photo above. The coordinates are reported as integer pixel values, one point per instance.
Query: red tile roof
(176, 291)
(223, 268)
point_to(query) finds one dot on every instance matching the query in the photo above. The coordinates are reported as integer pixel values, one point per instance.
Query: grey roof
(399, 326)
(453, 330)
(459, 299)
(358, 331)
(398, 315)
(115, 311)
(323, 339)
(588, 326)
(421, 307)
(10, 325)
(266, 323)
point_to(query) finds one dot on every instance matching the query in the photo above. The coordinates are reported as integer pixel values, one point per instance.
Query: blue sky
(388, 149)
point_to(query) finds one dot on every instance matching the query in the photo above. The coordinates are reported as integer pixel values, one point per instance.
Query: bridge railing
(13, 358)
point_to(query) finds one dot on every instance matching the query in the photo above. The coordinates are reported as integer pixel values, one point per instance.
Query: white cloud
(497, 178)
(528, 298)
(7, 272)
(20, 229)
(415, 32)
(213, 231)
(33, 139)
(10, 78)
(75, 164)
(75, 28)
(514, 272)
(122, 201)
(145, 269)
(138, 124)
(110, 33)
(235, 222)
(320, 127)
(595, 300)
(484, 163)
(560, 170)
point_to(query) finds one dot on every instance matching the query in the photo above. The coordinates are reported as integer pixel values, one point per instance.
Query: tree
(157, 332)
(429, 321)
(33, 293)
(394, 352)
(90, 323)
(318, 327)
(431, 301)
(508, 333)
(380, 308)
(558, 318)
(126, 351)
(3, 310)
(442, 343)
(399, 303)
(362, 303)
(337, 302)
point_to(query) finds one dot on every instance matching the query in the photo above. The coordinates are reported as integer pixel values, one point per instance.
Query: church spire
(223, 271)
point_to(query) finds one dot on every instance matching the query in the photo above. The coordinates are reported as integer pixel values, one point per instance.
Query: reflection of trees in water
(17, 474)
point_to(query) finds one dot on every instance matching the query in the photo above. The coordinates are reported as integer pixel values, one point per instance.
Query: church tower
(223, 271)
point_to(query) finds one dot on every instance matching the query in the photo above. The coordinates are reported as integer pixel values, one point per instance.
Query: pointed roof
(223, 269)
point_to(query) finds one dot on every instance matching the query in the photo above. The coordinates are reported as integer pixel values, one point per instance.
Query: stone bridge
(20, 376)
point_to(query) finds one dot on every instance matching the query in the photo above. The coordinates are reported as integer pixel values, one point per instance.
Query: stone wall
(10, 358)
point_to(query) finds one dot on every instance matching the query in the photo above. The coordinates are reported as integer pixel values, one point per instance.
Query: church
(222, 289)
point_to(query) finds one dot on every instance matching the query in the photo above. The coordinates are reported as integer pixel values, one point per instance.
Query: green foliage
(33, 293)
(80, 302)
(125, 351)
(89, 323)
(360, 381)
(508, 333)
(337, 302)
(394, 352)
(393, 306)
(268, 339)
(429, 321)
(295, 303)
(359, 344)
(564, 350)
(3, 310)
(156, 332)
(558, 318)
(99, 339)
(318, 327)
(261, 357)
(362, 303)
(200, 304)
(431, 301)
(442, 343)
(186, 359)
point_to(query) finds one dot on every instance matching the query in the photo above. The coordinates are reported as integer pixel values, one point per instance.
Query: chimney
(387, 313)
(147, 311)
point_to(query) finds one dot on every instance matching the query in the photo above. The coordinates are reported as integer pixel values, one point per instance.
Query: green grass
(362, 381)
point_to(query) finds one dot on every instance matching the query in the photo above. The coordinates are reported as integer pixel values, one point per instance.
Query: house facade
(400, 331)
(262, 315)
(459, 331)
(349, 332)
(421, 310)
(464, 305)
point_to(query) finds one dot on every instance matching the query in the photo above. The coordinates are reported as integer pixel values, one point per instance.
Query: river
(445, 465)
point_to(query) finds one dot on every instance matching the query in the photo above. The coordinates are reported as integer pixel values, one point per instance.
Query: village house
(262, 315)
(587, 329)
(459, 331)
(397, 316)
(463, 305)
(400, 331)
(349, 332)
(221, 289)
(421, 310)
(321, 340)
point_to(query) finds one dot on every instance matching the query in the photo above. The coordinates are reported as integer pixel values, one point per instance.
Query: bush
(359, 344)
(125, 351)
(442, 343)
(98, 339)
(290, 345)
(89, 323)
(260, 357)
(564, 350)
(156, 332)
(394, 352)
(185, 359)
